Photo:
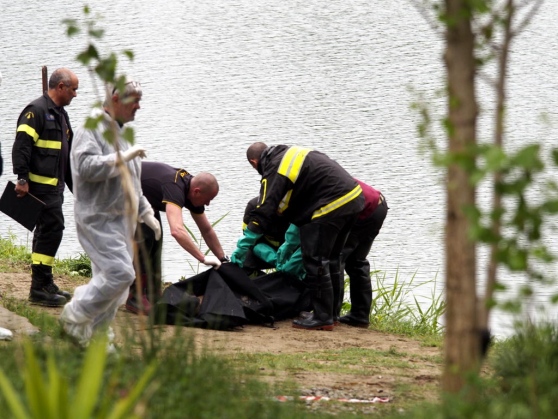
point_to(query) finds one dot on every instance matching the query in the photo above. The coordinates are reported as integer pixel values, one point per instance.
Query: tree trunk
(462, 343)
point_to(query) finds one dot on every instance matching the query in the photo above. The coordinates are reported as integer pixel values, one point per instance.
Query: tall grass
(395, 308)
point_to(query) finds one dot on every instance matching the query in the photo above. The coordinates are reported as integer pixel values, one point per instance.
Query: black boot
(322, 301)
(361, 294)
(42, 275)
(338, 283)
(43, 289)
(46, 296)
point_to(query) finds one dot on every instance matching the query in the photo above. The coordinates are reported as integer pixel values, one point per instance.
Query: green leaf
(35, 388)
(124, 406)
(128, 135)
(90, 379)
(129, 53)
(17, 408)
(96, 33)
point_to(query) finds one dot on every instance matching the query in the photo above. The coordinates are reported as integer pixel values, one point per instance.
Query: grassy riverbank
(246, 374)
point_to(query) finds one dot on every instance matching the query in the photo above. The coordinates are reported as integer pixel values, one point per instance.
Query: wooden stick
(45, 77)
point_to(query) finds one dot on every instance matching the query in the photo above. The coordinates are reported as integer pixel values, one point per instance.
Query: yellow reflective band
(264, 183)
(38, 258)
(56, 145)
(172, 203)
(29, 131)
(244, 225)
(284, 204)
(44, 180)
(338, 203)
(273, 242)
(292, 162)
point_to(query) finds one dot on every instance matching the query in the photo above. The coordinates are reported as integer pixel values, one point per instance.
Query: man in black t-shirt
(169, 190)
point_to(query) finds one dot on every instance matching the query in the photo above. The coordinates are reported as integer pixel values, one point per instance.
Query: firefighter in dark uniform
(40, 157)
(169, 190)
(317, 195)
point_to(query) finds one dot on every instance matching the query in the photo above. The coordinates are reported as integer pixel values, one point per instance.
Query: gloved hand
(266, 253)
(248, 240)
(294, 265)
(132, 153)
(153, 223)
(212, 261)
(292, 242)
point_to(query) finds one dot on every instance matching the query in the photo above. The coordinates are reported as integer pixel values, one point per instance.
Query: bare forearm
(213, 243)
(184, 240)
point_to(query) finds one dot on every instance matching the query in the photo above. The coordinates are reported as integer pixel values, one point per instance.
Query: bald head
(62, 86)
(203, 189)
(60, 75)
(206, 182)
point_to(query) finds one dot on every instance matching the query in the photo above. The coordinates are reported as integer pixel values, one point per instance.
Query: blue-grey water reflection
(338, 76)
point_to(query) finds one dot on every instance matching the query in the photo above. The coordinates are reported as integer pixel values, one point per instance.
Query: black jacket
(37, 148)
(302, 185)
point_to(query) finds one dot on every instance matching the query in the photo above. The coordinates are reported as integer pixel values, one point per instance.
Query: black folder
(24, 210)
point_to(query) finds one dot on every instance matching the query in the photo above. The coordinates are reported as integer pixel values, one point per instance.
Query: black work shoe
(64, 294)
(349, 321)
(312, 324)
(46, 296)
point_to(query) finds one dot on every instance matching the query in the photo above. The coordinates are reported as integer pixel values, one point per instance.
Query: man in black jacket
(40, 157)
(317, 195)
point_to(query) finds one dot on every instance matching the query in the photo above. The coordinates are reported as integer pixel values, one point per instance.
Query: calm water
(338, 77)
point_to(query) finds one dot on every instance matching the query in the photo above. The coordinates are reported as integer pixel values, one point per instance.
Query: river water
(338, 76)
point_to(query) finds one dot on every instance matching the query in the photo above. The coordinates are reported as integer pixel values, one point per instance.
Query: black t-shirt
(163, 184)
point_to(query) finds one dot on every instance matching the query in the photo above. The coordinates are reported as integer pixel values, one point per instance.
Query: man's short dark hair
(255, 151)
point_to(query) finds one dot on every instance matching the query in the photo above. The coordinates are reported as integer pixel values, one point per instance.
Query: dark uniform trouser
(354, 259)
(46, 239)
(321, 241)
(149, 259)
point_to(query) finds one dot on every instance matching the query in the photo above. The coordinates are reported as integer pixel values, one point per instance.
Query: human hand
(132, 153)
(153, 224)
(212, 261)
(238, 256)
(244, 243)
(21, 190)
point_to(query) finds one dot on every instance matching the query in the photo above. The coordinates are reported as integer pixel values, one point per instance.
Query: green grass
(17, 258)
(187, 384)
(393, 313)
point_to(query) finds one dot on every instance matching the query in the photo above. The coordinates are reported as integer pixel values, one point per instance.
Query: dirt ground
(283, 339)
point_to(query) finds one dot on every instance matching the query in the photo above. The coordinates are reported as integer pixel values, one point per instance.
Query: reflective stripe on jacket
(38, 144)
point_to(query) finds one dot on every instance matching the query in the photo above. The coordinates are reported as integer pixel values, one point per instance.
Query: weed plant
(396, 310)
(182, 383)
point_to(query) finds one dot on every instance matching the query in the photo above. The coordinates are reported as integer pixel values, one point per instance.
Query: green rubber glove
(294, 265)
(292, 242)
(266, 253)
(247, 241)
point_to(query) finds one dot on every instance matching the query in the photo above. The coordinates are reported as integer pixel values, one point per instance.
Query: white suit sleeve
(91, 158)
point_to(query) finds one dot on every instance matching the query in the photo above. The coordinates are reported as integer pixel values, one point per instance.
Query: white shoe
(6, 334)
(80, 332)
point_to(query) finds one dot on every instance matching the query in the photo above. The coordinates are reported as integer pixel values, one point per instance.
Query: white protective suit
(103, 229)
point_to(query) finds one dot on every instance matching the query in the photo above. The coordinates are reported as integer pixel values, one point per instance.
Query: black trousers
(149, 259)
(47, 238)
(354, 259)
